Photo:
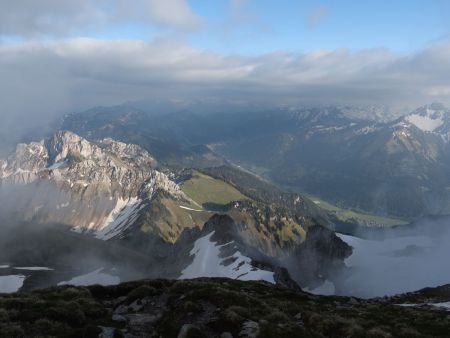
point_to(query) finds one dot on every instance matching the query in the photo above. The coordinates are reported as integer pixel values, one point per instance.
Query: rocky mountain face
(93, 186)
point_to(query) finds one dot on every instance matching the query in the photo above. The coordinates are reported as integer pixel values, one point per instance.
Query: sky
(255, 27)
(59, 56)
(248, 27)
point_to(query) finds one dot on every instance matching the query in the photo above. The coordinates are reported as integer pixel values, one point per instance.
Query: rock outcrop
(92, 186)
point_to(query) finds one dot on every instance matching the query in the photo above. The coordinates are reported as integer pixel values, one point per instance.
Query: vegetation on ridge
(205, 189)
(208, 308)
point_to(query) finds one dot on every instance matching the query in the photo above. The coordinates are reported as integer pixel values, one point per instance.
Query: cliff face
(91, 186)
(273, 229)
(319, 258)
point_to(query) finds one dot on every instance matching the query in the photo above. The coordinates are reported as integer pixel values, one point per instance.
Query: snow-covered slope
(433, 118)
(214, 260)
(94, 277)
(123, 215)
(425, 123)
(428, 118)
(11, 283)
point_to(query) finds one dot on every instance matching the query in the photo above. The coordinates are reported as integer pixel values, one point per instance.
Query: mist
(30, 238)
(406, 259)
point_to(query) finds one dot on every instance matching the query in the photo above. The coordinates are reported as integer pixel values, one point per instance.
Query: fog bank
(405, 260)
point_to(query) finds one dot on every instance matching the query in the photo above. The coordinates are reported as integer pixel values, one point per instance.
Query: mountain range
(117, 194)
(170, 189)
(222, 221)
(394, 167)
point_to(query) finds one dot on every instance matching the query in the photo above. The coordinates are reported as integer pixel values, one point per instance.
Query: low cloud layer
(408, 259)
(41, 79)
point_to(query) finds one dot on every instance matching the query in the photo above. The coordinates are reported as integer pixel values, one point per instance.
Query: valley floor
(343, 214)
(212, 307)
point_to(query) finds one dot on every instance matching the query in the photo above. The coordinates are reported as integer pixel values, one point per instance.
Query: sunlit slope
(207, 191)
(168, 217)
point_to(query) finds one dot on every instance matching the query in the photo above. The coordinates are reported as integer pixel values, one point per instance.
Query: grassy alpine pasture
(204, 189)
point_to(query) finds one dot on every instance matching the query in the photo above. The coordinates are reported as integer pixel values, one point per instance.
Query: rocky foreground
(215, 308)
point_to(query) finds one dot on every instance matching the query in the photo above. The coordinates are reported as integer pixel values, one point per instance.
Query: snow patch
(443, 305)
(11, 283)
(187, 208)
(425, 123)
(121, 217)
(366, 130)
(17, 172)
(208, 263)
(94, 277)
(32, 268)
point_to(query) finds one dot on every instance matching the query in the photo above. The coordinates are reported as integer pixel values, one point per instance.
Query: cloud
(175, 13)
(241, 20)
(43, 79)
(317, 15)
(168, 13)
(407, 259)
(29, 18)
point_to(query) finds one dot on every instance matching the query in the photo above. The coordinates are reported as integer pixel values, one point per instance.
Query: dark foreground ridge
(208, 307)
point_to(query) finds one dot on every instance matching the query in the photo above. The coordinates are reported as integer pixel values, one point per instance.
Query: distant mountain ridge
(389, 166)
(397, 168)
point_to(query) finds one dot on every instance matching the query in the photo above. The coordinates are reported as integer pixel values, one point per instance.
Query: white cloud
(60, 17)
(173, 13)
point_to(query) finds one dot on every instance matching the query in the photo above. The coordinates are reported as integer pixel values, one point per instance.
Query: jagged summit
(97, 183)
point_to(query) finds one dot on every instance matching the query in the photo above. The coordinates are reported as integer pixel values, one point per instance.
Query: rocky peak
(103, 182)
(224, 227)
(69, 159)
(64, 143)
